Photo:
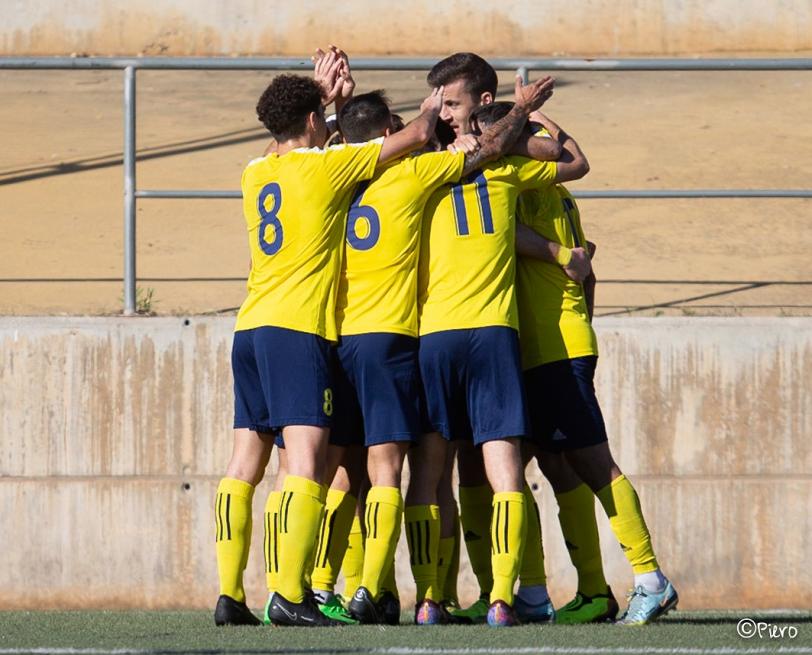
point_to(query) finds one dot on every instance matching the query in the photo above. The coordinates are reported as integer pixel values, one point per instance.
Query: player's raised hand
(533, 95)
(466, 143)
(433, 104)
(326, 67)
(345, 74)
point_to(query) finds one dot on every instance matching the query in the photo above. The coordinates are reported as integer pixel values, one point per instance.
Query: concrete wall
(416, 27)
(114, 433)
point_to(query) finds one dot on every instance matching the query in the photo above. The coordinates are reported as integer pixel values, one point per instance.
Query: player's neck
(304, 141)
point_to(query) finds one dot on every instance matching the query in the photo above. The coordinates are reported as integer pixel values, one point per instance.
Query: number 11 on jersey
(457, 196)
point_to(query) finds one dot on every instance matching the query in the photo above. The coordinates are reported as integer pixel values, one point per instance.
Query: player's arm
(574, 261)
(573, 164)
(416, 133)
(540, 148)
(589, 283)
(498, 138)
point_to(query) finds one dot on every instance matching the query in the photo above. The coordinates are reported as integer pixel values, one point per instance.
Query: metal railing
(521, 66)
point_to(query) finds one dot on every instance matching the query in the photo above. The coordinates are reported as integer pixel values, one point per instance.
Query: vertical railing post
(522, 72)
(129, 191)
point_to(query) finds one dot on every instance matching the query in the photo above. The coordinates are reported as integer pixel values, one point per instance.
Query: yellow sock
(389, 583)
(576, 514)
(445, 554)
(423, 537)
(232, 533)
(622, 506)
(475, 514)
(507, 543)
(450, 586)
(334, 532)
(384, 512)
(353, 564)
(532, 568)
(271, 549)
(300, 512)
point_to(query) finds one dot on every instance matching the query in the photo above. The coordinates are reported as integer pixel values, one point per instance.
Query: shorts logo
(327, 406)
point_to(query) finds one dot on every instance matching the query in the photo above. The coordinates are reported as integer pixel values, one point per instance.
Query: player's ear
(486, 98)
(387, 131)
(313, 121)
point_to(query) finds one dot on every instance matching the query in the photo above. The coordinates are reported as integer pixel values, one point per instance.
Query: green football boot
(600, 608)
(334, 609)
(476, 613)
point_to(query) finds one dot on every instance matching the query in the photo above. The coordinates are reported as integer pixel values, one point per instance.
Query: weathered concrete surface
(513, 27)
(114, 433)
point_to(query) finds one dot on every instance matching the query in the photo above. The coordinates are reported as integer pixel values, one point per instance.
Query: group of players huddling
(420, 291)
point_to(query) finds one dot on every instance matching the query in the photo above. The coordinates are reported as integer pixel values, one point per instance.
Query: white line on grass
(544, 650)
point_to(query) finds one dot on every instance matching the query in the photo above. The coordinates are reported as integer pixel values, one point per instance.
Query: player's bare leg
(653, 594)
(476, 501)
(299, 521)
(449, 533)
(422, 514)
(373, 602)
(345, 472)
(503, 466)
(233, 504)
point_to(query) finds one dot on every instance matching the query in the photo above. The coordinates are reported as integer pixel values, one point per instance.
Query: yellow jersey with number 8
(553, 317)
(467, 257)
(378, 288)
(295, 208)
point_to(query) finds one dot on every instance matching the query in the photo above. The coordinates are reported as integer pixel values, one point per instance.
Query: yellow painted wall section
(114, 433)
(417, 27)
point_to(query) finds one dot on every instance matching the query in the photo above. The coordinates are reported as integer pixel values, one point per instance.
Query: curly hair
(478, 74)
(284, 106)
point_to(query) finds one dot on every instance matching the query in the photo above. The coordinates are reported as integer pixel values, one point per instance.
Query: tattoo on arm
(496, 139)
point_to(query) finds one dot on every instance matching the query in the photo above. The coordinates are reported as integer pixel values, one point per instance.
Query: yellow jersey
(295, 207)
(467, 259)
(553, 318)
(378, 287)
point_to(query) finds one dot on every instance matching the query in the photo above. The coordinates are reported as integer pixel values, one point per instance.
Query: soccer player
(295, 202)
(378, 388)
(559, 356)
(470, 362)
(471, 82)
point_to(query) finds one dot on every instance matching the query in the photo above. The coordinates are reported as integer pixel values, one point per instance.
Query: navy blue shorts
(472, 381)
(377, 390)
(281, 377)
(564, 411)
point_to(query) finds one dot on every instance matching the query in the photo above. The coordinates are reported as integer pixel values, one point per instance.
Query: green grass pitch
(186, 632)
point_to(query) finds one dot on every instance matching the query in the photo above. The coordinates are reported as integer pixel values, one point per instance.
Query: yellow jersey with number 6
(553, 317)
(295, 208)
(467, 257)
(378, 287)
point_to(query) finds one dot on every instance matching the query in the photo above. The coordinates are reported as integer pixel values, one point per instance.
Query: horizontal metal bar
(191, 193)
(607, 194)
(303, 63)
(241, 278)
(695, 193)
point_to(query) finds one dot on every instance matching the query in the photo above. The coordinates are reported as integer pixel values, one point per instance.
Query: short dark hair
(486, 115)
(365, 117)
(284, 106)
(478, 74)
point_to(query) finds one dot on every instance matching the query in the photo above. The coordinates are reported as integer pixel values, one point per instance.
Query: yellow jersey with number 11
(378, 288)
(295, 207)
(467, 257)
